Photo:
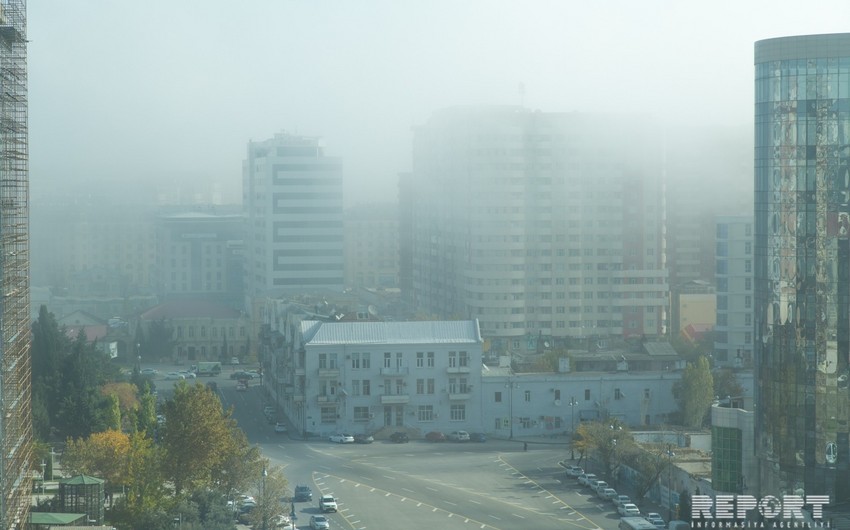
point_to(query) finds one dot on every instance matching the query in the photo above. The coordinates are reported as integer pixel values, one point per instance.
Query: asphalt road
(490, 486)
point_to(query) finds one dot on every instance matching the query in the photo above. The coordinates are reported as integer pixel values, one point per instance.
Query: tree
(197, 437)
(695, 393)
(160, 341)
(146, 492)
(607, 441)
(102, 454)
(49, 347)
(271, 485)
(128, 402)
(726, 384)
(240, 465)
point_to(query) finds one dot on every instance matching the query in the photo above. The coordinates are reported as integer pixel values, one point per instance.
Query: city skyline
(110, 102)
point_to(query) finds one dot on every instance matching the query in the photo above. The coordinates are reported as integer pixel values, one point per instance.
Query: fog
(171, 92)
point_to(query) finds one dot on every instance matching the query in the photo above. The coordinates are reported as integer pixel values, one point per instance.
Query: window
(463, 359)
(587, 394)
(646, 393)
(452, 359)
(748, 302)
(328, 414)
(430, 384)
(242, 331)
(527, 396)
(366, 390)
(497, 397)
(420, 359)
(355, 387)
(453, 385)
(748, 319)
(388, 359)
(420, 386)
(748, 248)
(430, 359)
(323, 361)
(191, 331)
(748, 284)
(179, 331)
(214, 331)
(361, 414)
(748, 265)
(203, 331)
(355, 361)
(426, 413)
(365, 363)
(618, 394)
(458, 413)
(332, 361)
(558, 393)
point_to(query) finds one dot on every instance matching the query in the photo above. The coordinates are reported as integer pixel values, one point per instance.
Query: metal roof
(420, 332)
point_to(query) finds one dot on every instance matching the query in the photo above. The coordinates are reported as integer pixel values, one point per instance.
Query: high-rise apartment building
(15, 342)
(539, 225)
(802, 264)
(371, 246)
(733, 332)
(292, 197)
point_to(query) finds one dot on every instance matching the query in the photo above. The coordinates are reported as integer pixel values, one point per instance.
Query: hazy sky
(172, 90)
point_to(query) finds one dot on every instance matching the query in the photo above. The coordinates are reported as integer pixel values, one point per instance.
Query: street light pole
(573, 404)
(670, 455)
(511, 385)
(263, 497)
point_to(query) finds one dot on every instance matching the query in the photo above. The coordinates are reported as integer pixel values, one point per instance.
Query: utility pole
(572, 405)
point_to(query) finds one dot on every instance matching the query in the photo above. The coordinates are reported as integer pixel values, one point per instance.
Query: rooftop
(420, 332)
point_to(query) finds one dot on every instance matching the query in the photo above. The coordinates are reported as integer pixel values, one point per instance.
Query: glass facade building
(802, 264)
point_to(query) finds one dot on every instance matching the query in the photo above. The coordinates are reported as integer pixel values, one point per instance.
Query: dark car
(435, 436)
(240, 375)
(303, 494)
(363, 438)
(477, 437)
(399, 437)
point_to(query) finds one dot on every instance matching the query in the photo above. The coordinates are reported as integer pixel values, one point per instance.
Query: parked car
(269, 410)
(435, 436)
(620, 500)
(586, 478)
(607, 494)
(239, 375)
(479, 437)
(574, 471)
(342, 438)
(598, 485)
(149, 371)
(628, 510)
(399, 437)
(319, 522)
(459, 436)
(241, 386)
(656, 519)
(363, 438)
(234, 360)
(174, 376)
(302, 494)
(280, 427)
(189, 375)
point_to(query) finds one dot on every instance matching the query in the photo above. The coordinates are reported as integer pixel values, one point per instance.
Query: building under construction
(15, 406)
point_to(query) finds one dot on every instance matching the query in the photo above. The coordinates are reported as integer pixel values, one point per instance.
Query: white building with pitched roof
(362, 377)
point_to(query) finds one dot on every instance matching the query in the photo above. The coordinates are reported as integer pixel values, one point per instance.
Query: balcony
(328, 372)
(459, 397)
(395, 399)
(458, 369)
(326, 400)
(401, 370)
(298, 398)
(300, 371)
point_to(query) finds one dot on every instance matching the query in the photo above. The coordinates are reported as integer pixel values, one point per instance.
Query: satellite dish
(372, 310)
(545, 343)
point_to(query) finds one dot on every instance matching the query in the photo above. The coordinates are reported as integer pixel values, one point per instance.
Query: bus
(635, 523)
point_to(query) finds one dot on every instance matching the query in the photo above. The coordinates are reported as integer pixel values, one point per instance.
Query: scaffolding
(15, 406)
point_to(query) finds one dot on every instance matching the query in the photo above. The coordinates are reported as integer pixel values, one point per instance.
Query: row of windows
(214, 331)
(556, 392)
(363, 360)
(398, 387)
(424, 413)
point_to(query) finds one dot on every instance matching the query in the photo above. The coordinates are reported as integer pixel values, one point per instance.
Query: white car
(598, 486)
(280, 427)
(175, 376)
(327, 503)
(458, 436)
(607, 493)
(189, 375)
(628, 510)
(586, 479)
(656, 519)
(319, 522)
(574, 471)
(342, 438)
(619, 500)
(149, 371)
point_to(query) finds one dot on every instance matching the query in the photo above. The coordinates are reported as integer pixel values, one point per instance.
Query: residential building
(199, 255)
(371, 246)
(539, 225)
(692, 302)
(292, 199)
(801, 260)
(15, 374)
(733, 345)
